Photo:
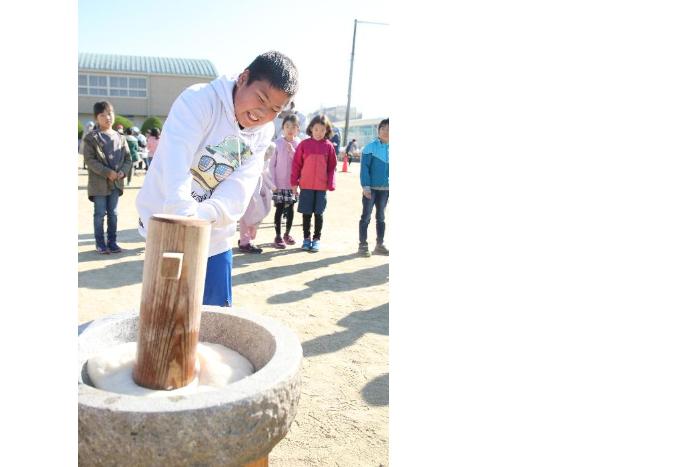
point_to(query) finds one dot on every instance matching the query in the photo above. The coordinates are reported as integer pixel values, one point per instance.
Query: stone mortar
(230, 427)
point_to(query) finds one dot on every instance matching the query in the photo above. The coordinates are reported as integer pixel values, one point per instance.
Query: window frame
(109, 88)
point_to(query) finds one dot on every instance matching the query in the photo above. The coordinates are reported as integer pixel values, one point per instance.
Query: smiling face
(318, 131)
(258, 102)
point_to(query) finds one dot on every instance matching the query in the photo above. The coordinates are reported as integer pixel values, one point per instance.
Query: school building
(336, 114)
(363, 130)
(138, 87)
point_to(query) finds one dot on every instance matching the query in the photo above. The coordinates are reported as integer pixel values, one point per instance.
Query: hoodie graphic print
(214, 166)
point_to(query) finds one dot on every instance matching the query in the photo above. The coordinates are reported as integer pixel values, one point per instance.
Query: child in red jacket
(313, 169)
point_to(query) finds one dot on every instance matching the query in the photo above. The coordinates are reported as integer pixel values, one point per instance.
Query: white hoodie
(205, 165)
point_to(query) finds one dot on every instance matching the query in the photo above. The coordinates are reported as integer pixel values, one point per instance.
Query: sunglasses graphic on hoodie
(213, 168)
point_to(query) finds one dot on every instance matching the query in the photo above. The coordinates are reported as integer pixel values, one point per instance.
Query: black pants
(279, 209)
(318, 224)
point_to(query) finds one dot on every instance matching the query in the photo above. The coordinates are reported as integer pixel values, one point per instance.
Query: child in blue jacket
(374, 178)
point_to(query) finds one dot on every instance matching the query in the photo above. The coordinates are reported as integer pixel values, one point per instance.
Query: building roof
(146, 65)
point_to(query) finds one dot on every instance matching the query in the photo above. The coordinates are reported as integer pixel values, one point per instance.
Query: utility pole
(347, 109)
(352, 61)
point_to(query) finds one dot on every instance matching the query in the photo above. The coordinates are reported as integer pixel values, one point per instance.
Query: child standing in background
(134, 150)
(281, 171)
(313, 169)
(374, 179)
(152, 144)
(108, 160)
(259, 207)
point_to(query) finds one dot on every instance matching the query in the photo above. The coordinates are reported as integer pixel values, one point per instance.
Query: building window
(114, 86)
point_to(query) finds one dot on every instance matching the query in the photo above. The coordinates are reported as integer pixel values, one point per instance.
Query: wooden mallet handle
(174, 268)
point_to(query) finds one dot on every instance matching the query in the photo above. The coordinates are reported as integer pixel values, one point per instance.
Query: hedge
(149, 123)
(119, 120)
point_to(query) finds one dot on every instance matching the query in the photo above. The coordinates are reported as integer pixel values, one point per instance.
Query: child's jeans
(217, 282)
(378, 198)
(105, 205)
(247, 232)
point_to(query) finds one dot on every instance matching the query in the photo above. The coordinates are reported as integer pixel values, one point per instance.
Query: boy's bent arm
(181, 137)
(231, 198)
(272, 166)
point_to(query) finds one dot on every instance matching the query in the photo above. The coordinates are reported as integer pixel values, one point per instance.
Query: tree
(149, 123)
(80, 130)
(123, 121)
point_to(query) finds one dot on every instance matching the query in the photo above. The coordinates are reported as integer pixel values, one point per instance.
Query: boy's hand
(367, 194)
(120, 174)
(294, 190)
(112, 175)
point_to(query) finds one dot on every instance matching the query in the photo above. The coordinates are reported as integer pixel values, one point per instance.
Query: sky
(317, 36)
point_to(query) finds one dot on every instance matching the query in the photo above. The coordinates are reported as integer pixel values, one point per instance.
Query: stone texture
(231, 427)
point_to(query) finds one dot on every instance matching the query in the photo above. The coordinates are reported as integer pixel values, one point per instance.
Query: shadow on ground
(123, 236)
(128, 235)
(343, 282)
(111, 275)
(358, 323)
(376, 392)
(277, 272)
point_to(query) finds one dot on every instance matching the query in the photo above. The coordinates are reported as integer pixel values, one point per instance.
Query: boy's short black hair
(276, 68)
(101, 106)
(291, 118)
(323, 120)
(383, 123)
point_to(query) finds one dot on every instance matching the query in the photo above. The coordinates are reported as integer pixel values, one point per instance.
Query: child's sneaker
(114, 248)
(306, 245)
(279, 243)
(363, 250)
(315, 245)
(380, 249)
(249, 248)
(289, 240)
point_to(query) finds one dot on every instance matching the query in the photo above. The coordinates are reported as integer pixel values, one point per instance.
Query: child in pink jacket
(280, 172)
(313, 169)
(259, 207)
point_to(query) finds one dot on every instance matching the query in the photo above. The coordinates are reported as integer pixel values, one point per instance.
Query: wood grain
(171, 298)
(262, 462)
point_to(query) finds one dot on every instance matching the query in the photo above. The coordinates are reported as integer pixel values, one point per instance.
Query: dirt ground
(335, 301)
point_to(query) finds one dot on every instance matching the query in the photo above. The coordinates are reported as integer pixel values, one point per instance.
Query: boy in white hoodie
(211, 156)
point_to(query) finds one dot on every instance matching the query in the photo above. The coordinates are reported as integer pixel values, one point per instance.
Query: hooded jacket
(206, 166)
(313, 167)
(374, 166)
(281, 162)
